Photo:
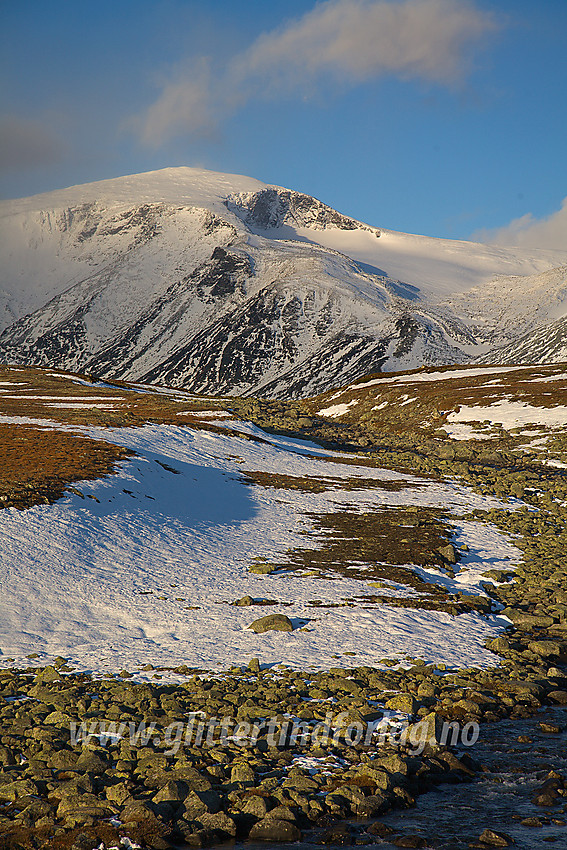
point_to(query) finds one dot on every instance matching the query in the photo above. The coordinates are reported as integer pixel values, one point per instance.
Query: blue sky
(441, 117)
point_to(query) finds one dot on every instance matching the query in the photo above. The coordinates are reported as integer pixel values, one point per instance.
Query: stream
(452, 817)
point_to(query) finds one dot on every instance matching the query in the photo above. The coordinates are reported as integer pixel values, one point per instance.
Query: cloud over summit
(339, 43)
(530, 232)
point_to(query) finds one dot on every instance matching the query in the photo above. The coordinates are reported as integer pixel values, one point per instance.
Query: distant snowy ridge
(219, 283)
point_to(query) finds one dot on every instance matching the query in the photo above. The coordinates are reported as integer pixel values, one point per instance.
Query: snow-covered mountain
(219, 283)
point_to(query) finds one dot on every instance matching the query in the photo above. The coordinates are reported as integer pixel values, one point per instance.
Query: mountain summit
(222, 284)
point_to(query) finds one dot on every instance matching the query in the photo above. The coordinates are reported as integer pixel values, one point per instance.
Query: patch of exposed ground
(322, 484)
(418, 399)
(37, 463)
(366, 544)
(380, 547)
(36, 466)
(75, 399)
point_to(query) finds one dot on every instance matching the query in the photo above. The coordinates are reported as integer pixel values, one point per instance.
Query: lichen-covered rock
(48, 674)
(403, 702)
(271, 829)
(172, 792)
(218, 822)
(495, 839)
(273, 622)
(449, 553)
(255, 806)
(84, 806)
(545, 648)
(242, 772)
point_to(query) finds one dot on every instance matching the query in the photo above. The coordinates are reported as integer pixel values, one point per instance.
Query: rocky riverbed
(89, 760)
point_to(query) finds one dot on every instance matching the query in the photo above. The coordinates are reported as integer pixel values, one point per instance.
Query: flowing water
(452, 817)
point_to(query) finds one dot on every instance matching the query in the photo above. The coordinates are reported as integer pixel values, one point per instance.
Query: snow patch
(419, 377)
(337, 410)
(512, 414)
(462, 431)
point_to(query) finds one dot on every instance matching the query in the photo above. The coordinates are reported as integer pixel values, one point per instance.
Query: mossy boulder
(272, 829)
(273, 622)
(405, 703)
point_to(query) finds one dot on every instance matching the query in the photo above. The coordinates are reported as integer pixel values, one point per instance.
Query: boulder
(544, 648)
(242, 772)
(449, 553)
(403, 702)
(48, 674)
(273, 622)
(495, 839)
(271, 829)
(218, 822)
(255, 806)
(83, 806)
(172, 792)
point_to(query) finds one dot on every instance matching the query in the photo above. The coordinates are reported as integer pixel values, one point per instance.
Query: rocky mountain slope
(219, 283)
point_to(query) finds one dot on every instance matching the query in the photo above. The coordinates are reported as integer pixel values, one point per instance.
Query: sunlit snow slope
(219, 283)
(145, 565)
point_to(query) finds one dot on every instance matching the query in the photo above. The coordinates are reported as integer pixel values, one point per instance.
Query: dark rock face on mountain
(546, 343)
(220, 284)
(273, 208)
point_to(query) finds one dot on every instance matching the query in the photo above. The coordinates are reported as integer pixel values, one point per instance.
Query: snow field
(144, 570)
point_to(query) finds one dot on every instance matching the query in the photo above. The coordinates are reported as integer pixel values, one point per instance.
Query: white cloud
(186, 104)
(354, 40)
(26, 143)
(530, 232)
(339, 43)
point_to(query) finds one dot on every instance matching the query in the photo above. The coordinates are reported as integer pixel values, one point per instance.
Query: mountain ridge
(220, 283)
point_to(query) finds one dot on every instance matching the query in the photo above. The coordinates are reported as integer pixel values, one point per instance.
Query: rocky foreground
(58, 792)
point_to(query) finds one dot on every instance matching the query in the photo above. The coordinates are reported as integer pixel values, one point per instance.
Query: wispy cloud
(27, 143)
(190, 103)
(338, 44)
(530, 232)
